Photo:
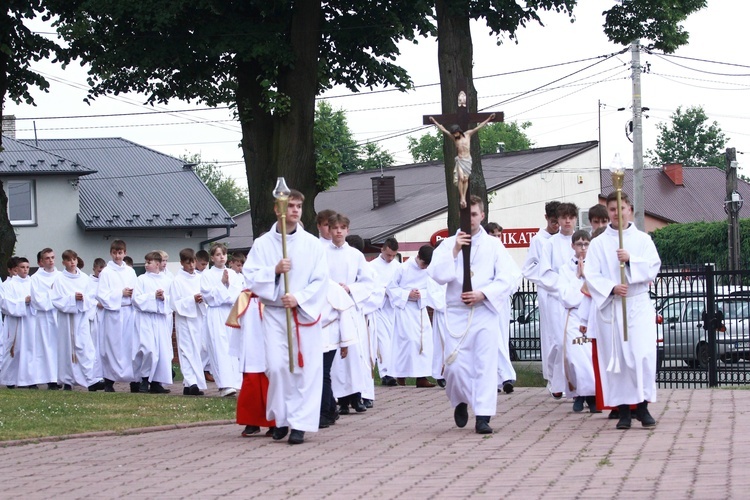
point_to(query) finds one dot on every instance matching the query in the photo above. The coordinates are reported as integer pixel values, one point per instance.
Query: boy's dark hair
(598, 231)
(623, 196)
(323, 216)
(187, 255)
(69, 254)
(338, 219)
(492, 226)
(567, 209)
(80, 263)
(12, 262)
(155, 255)
(598, 211)
(238, 257)
(41, 253)
(99, 262)
(21, 260)
(391, 243)
(581, 234)
(128, 260)
(356, 241)
(202, 255)
(425, 252)
(550, 208)
(296, 195)
(118, 245)
(476, 200)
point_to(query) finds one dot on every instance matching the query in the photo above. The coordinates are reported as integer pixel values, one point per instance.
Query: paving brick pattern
(408, 447)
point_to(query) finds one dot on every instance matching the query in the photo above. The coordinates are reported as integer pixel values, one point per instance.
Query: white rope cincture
(461, 336)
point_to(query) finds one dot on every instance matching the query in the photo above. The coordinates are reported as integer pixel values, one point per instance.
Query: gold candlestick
(281, 192)
(618, 177)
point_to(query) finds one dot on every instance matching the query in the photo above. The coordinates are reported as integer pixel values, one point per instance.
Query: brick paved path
(408, 447)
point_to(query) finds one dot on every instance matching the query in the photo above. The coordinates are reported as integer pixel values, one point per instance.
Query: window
(583, 220)
(21, 202)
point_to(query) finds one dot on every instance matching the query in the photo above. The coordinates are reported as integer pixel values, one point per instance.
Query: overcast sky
(713, 71)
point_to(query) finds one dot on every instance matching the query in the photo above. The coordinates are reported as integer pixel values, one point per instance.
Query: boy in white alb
(45, 348)
(119, 340)
(186, 301)
(154, 326)
(19, 368)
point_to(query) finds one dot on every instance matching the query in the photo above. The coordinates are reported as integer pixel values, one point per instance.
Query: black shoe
(367, 403)
(194, 391)
(507, 387)
(624, 422)
(343, 408)
(279, 433)
(135, 387)
(578, 403)
(186, 391)
(33, 386)
(67, 387)
(644, 416)
(482, 426)
(109, 385)
(10, 386)
(614, 414)
(250, 430)
(591, 403)
(270, 431)
(143, 386)
(388, 381)
(358, 406)
(461, 415)
(296, 437)
(157, 388)
(324, 422)
(99, 386)
(51, 386)
(440, 382)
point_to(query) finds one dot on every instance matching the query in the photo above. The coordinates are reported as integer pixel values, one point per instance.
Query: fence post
(710, 323)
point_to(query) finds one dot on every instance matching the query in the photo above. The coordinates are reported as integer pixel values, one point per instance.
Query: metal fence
(703, 325)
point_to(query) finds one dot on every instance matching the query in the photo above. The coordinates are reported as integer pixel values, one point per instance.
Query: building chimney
(9, 126)
(674, 172)
(383, 190)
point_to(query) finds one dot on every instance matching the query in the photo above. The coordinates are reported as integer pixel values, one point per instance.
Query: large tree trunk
(7, 233)
(295, 148)
(455, 59)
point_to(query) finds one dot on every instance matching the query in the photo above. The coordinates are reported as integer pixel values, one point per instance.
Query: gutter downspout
(217, 238)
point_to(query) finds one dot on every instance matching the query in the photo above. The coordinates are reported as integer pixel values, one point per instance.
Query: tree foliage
(267, 59)
(231, 196)
(493, 138)
(689, 139)
(699, 242)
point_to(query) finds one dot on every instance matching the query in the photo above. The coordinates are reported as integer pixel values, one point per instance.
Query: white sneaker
(228, 392)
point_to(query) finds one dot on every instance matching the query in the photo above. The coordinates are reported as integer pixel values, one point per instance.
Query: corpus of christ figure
(462, 140)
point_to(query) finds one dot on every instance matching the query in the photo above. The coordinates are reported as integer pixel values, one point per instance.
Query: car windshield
(734, 309)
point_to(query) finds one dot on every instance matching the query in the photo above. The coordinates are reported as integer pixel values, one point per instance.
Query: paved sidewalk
(408, 447)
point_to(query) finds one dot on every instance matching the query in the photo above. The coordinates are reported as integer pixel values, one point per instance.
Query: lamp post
(281, 192)
(618, 176)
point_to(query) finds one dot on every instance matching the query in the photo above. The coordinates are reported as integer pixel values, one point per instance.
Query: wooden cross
(462, 118)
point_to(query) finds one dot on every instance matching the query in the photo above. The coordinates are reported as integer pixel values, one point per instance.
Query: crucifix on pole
(461, 135)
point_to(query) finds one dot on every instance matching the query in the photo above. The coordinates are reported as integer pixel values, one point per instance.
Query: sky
(555, 77)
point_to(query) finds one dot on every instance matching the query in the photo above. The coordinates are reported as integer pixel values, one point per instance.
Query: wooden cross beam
(463, 118)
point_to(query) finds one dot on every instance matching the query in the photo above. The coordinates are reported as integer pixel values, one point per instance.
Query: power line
(697, 59)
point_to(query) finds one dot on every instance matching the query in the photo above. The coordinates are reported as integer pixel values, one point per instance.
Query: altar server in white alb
(95, 315)
(578, 363)
(220, 287)
(45, 347)
(73, 297)
(293, 397)
(351, 377)
(627, 369)
(469, 324)
(20, 366)
(532, 271)
(186, 301)
(411, 291)
(381, 318)
(154, 326)
(506, 374)
(117, 282)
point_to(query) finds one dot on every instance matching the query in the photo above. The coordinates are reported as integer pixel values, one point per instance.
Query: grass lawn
(31, 414)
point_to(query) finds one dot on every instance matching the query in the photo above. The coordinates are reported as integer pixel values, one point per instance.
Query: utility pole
(635, 52)
(732, 207)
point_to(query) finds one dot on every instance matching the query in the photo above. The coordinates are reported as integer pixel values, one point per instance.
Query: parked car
(685, 338)
(524, 335)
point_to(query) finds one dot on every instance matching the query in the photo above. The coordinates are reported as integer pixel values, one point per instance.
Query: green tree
(655, 20)
(19, 47)
(267, 59)
(699, 242)
(231, 196)
(689, 139)
(493, 138)
(373, 157)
